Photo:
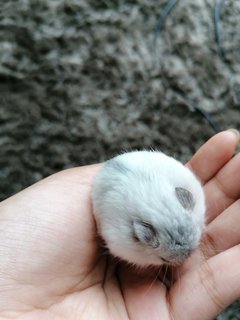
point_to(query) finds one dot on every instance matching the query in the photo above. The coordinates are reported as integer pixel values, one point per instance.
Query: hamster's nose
(179, 242)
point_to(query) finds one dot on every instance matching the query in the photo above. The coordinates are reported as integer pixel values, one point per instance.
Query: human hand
(52, 265)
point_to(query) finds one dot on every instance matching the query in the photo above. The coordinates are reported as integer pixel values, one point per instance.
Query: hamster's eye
(185, 198)
(144, 232)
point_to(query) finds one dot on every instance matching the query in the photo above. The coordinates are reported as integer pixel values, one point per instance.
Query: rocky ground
(82, 80)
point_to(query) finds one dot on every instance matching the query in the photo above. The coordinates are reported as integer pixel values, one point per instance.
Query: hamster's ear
(144, 232)
(185, 197)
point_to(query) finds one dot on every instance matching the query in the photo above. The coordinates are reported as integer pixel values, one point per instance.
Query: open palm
(52, 265)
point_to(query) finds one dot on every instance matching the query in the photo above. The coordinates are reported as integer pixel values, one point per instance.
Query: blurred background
(81, 81)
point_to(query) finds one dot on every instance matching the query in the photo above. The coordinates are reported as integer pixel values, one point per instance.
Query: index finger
(214, 154)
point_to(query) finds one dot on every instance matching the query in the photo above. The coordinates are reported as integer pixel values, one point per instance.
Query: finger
(144, 295)
(223, 232)
(223, 189)
(215, 285)
(217, 151)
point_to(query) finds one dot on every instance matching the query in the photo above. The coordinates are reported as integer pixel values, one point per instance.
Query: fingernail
(236, 132)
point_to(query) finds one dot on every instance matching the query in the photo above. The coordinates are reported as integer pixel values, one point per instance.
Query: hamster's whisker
(179, 281)
(173, 277)
(153, 281)
(165, 276)
(172, 317)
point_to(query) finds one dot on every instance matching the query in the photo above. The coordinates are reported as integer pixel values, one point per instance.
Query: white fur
(141, 185)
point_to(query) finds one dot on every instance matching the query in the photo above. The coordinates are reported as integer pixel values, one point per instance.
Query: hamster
(149, 208)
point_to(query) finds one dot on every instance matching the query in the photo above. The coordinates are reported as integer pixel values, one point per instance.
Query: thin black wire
(217, 24)
(211, 121)
(217, 18)
(166, 10)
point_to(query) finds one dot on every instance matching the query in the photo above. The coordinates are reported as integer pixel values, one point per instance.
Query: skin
(52, 265)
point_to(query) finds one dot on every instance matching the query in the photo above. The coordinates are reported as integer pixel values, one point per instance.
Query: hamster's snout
(176, 254)
(179, 247)
(177, 257)
(174, 248)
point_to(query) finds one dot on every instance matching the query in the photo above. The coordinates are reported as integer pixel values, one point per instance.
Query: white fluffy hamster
(149, 208)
